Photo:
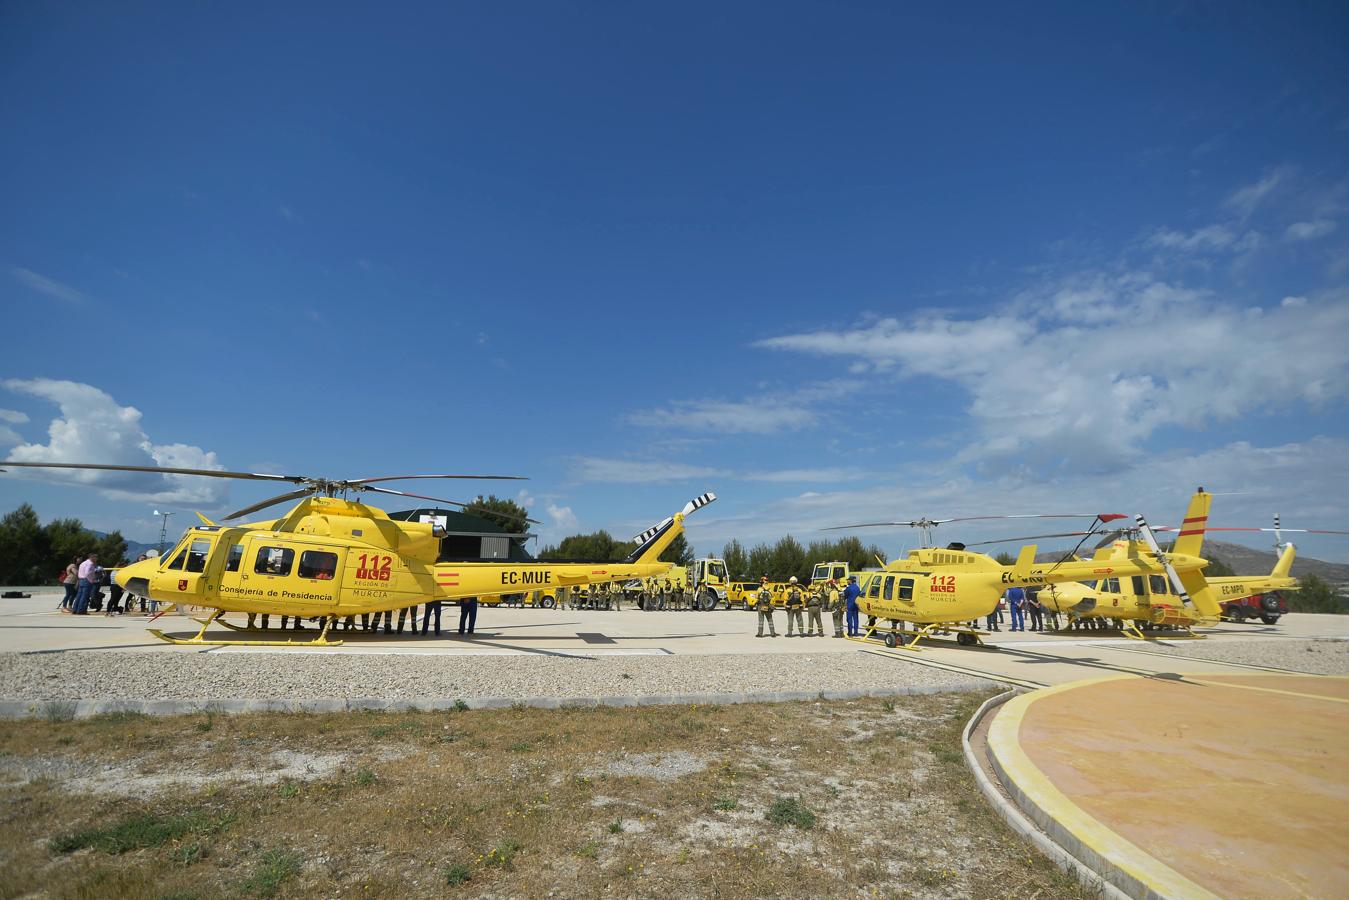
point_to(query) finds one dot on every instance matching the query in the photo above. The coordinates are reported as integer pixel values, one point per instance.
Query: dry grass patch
(792, 800)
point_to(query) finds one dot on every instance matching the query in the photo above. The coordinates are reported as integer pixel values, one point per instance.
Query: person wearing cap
(795, 605)
(764, 604)
(835, 606)
(850, 595)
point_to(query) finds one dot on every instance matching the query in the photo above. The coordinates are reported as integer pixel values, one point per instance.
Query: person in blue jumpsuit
(850, 595)
(432, 609)
(1015, 597)
(468, 614)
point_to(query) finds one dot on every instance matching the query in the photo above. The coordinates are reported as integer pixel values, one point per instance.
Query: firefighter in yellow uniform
(814, 602)
(836, 607)
(763, 602)
(795, 603)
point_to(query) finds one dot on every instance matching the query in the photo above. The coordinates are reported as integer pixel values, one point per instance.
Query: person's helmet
(792, 580)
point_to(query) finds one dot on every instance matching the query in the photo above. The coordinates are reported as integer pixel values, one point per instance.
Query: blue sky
(835, 262)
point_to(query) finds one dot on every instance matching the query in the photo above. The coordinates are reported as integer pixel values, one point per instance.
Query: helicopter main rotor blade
(493, 512)
(469, 477)
(1033, 537)
(163, 470)
(271, 501)
(932, 523)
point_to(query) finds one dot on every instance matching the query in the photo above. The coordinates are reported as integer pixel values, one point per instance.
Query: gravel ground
(206, 676)
(1323, 657)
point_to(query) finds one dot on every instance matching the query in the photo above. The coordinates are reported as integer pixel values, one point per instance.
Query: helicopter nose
(135, 578)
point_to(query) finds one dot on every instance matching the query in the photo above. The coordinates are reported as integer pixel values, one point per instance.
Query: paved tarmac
(1025, 658)
(1186, 787)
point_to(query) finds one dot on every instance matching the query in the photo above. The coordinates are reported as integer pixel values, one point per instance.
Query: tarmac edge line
(1016, 819)
(1116, 859)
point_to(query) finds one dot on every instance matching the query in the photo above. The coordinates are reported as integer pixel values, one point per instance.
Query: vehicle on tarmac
(330, 558)
(1268, 607)
(824, 571)
(710, 583)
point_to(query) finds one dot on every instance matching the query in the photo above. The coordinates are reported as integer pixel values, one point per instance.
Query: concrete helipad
(1189, 784)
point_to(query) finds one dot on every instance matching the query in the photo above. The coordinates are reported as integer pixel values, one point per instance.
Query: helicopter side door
(183, 575)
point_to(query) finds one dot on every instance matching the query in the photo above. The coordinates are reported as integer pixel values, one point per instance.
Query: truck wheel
(547, 602)
(1268, 619)
(707, 602)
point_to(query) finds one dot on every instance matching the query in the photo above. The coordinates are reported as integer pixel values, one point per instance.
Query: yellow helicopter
(331, 558)
(940, 591)
(1153, 600)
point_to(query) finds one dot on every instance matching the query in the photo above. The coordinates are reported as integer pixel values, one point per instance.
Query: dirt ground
(861, 799)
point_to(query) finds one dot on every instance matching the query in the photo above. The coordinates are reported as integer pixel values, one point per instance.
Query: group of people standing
(82, 580)
(1022, 605)
(371, 622)
(806, 606)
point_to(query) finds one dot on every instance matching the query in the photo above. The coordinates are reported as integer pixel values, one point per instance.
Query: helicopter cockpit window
(875, 590)
(274, 561)
(179, 557)
(1138, 584)
(318, 564)
(196, 555)
(906, 588)
(1110, 585)
(236, 556)
(889, 592)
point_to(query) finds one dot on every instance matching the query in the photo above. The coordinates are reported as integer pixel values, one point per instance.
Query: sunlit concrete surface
(1229, 784)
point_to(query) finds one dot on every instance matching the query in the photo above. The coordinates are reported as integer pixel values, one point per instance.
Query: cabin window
(1110, 585)
(1138, 584)
(274, 561)
(236, 556)
(889, 593)
(839, 574)
(318, 564)
(1158, 584)
(196, 554)
(716, 572)
(875, 590)
(179, 559)
(820, 573)
(906, 588)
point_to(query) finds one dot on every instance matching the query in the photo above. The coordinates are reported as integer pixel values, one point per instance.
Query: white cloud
(49, 286)
(93, 428)
(1247, 199)
(1211, 237)
(1081, 384)
(765, 413)
(628, 471)
(1301, 481)
(1309, 231)
(13, 416)
(822, 476)
(562, 518)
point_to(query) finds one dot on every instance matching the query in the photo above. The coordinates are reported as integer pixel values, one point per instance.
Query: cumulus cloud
(1247, 199)
(49, 286)
(764, 413)
(94, 428)
(1309, 231)
(821, 476)
(1298, 480)
(1075, 377)
(630, 471)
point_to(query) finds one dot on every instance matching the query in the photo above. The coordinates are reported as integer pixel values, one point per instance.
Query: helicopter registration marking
(526, 577)
(374, 567)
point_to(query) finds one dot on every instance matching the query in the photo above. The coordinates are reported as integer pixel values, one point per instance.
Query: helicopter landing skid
(1132, 631)
(897, 638)
(199, 641)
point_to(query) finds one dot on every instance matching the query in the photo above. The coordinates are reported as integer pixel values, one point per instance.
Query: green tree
(1217, 568)
(25, 557)
(504, 512)
(598, 545)
(67, 538)
(111, 549)
(788, 559)
(1316, 596)
(737, 560)
(679, 552)
(1003, 558)
(760, 562)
